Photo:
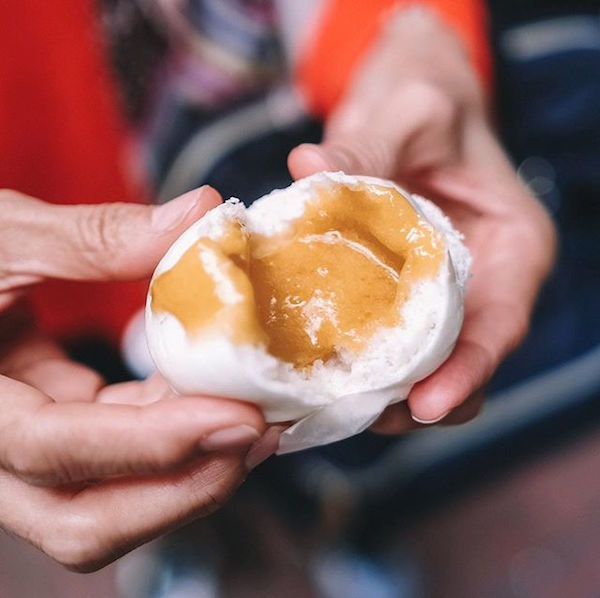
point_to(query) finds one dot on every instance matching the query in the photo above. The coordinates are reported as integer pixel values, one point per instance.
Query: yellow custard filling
(335, 276)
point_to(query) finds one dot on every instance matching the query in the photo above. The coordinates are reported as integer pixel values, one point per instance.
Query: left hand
(415, 114)
(89, 471)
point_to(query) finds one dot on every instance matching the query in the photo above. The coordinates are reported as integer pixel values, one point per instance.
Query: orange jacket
(347, 28)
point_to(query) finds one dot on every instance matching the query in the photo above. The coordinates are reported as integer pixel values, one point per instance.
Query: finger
(92, 242)
(156, 389)
(307, 159)
(434, 398)
(396, 419)
(487, 336)
(413, 128)
(501, 195)
(61, 379)
(153, 389)
(53, 443)
(42, 364)
(354, 155)
(87, 529)
(264, 447)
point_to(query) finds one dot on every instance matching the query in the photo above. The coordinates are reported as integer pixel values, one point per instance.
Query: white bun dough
(342, 396)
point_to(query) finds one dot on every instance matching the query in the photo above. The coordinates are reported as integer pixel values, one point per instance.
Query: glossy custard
(325, 284)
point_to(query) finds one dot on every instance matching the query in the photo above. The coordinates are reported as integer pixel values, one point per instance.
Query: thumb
(361, 155)
(116, 241)
(414, 129)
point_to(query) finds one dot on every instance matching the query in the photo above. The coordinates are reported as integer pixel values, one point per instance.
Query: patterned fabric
(186, 65)
(223, 49)
(207, 53)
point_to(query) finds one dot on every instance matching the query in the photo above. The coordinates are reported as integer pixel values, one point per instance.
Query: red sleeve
(62, 140)
(347, 29)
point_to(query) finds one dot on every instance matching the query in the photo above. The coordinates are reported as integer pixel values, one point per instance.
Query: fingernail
(429, 422)
(229, 439)
(262, 449)
(174, 213)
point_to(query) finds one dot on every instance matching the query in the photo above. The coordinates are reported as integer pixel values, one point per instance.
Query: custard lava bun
(322, 303)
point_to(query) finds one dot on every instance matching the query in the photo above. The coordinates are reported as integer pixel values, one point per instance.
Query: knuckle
(22, 459)
(75, 542)
(8, 196)
(212, 486)
(381, 157)
(366, 154)
(165, 453)
(30, 456)
(22, 465)
(100, 232)
(170, 444)
(215, 497)
(430, 103)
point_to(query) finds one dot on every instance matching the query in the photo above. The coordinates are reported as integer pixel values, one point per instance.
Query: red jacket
(62, 139)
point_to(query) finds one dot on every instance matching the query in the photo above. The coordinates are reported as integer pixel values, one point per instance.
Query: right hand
(89, 471)
(415, 113)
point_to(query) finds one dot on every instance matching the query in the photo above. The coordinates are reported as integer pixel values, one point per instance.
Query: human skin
(415, 113)
(90, 471)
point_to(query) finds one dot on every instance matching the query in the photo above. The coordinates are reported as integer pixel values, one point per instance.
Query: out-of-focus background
(505, 506)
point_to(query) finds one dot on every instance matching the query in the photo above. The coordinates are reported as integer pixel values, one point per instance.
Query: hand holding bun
(415, 112)
(323, 303)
